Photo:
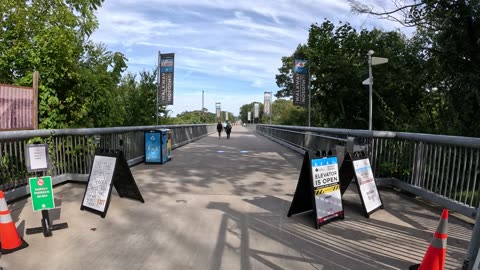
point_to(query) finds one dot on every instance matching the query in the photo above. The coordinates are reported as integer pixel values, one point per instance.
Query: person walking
(228, 129)
(219, 129)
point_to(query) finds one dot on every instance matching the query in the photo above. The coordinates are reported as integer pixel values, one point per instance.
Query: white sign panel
(249, 116)
(267, 103)
(255, 108)
(37, 158)
(99, 183)
(226, 116)
(326, 183)
(366, 181)
(218, 109)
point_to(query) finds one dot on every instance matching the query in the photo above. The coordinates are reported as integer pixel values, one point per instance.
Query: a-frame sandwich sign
(109, 168)
(318, 189)
(359, 167)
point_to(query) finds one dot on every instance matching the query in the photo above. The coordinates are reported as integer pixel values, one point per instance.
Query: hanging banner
(300, 82)
(166, 79)
(267, 103)
(218, 110)
(249, 116)
(255, 110)
(226, 116)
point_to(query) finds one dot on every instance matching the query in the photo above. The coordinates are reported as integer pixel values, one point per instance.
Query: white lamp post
(372, 61)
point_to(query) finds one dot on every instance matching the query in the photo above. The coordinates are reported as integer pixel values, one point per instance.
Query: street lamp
(372, 61)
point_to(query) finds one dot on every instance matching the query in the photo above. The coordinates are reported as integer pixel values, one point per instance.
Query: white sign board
(99, 183)
(326, 183)
(366, 82)
(379, 61)
(249, 116)
(366, 182)
(37, 158)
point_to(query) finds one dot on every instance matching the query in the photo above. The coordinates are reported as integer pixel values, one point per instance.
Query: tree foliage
(338, 64)
(195, 117)
(413, 92)
(449, 32)
(250, 108)
(78, 79)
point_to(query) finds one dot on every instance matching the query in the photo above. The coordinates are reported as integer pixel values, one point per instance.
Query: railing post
(473, 254)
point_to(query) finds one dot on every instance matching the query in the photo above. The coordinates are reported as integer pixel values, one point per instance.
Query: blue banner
(300, 67)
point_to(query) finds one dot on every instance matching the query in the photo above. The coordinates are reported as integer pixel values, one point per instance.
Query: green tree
(449, 31)
(336, 58)
(250, 108)
(139, 99)
(77, 78)
(284, 113)
(195, 117)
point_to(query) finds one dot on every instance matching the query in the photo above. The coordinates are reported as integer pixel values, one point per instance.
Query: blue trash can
(153, 146)
(164, 144)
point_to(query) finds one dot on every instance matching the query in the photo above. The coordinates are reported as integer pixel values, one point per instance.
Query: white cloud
(232, 48)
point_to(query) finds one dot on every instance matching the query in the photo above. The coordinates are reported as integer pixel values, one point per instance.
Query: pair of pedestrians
(220, 128)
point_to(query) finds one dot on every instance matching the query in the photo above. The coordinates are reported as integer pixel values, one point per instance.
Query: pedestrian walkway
(222, 204)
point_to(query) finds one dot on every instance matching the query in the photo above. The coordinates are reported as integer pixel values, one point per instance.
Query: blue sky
(230, 49)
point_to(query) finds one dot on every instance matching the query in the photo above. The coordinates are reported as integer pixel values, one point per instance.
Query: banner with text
(218, 110)
(166, 79)
(255, 110)
(267, 103)
(300, 82)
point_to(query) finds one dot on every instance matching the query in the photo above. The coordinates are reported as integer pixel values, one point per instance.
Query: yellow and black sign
(324, 190)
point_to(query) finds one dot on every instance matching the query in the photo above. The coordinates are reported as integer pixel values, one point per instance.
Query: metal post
(370, 78)
(309, 98)
(35, 100)
(203, 106)
(158, 85)
(474, 246)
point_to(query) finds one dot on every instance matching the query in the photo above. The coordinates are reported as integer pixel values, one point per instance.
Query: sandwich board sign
(109, 169)
(359, 167)
(318, 189)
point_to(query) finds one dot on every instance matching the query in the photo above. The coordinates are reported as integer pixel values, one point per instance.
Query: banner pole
(158, 85)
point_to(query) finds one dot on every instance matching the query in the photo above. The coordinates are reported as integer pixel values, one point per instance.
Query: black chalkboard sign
(318, 188)
(109, 168)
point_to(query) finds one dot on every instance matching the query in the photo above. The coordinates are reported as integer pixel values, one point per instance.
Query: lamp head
(371, 52)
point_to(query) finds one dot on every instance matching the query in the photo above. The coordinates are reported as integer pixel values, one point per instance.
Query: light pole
(370, 89)
(203, 106)
(372, 61)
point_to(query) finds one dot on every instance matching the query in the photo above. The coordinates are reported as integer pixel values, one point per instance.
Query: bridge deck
(222, 204)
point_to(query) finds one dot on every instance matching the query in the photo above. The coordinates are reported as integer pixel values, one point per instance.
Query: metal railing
(442, 169)
(71, 151)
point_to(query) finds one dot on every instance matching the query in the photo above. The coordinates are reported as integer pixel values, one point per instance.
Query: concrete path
(222, 204)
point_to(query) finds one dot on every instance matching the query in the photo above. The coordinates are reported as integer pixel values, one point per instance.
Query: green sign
(42, 193)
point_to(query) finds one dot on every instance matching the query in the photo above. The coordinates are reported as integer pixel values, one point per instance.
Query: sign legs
(47, 226)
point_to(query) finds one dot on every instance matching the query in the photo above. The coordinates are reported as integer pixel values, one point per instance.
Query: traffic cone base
(434, 258)
(10, 240)
(22, 245)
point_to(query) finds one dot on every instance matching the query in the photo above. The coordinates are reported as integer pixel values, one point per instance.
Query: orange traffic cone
(11, 241)
(437, 251)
